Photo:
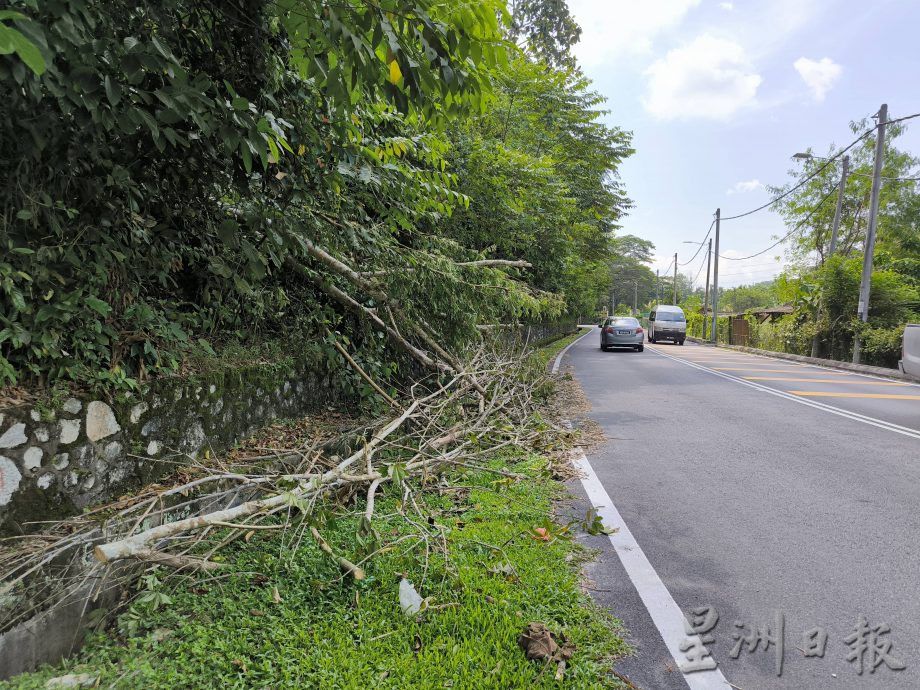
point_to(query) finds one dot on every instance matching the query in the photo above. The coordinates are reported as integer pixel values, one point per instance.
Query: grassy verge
(290, 620)
(547, 352)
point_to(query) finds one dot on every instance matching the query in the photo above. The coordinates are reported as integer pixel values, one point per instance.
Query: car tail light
(609, 329)
(639, 330)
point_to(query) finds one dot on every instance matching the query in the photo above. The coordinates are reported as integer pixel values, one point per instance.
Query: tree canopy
(192, 174)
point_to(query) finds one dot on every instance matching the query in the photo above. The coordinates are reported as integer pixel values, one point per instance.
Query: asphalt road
(758, 486)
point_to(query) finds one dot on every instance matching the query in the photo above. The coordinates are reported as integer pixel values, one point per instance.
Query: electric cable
(700, 245)
(788, 234)
(822, 168)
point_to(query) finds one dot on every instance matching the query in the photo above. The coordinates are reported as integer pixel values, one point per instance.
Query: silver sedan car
(622, 331)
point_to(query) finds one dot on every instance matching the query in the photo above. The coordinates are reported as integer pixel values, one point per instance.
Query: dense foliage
(538, 170)
(186, 174)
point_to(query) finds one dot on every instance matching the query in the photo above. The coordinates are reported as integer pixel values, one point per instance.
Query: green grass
(548, 352)
(329, 632)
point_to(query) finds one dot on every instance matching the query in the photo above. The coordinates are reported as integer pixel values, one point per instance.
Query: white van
(667, 322)
(910, 350)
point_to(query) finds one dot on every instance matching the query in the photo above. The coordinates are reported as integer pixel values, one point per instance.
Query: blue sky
(719, 94)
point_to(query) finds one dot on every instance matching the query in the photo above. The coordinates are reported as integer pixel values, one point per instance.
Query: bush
(882, 346)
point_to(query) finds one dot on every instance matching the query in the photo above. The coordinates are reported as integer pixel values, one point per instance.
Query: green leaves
(397, 473)
(171, 165)
(423, 57)
(13, 41)
(99, 306)
(112, 90)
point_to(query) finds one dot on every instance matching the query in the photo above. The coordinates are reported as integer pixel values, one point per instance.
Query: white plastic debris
(409, 599)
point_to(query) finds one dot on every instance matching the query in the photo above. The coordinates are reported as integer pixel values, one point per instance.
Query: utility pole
(839, 210)
(862, 311)
(657, 286)
(715, 282)
(635, 297)
(815, 342)
(675, 278)
(706, 289)
(613, 303)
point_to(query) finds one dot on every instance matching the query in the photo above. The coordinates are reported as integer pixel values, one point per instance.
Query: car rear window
(669, 316)
(629, 322)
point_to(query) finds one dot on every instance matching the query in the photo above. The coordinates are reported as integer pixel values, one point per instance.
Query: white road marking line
(558, 361)
(872, 421)
(665, 613)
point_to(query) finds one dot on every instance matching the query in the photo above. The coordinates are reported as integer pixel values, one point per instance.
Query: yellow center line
(851, 382)
(751, 364)
(738, 359)
(779, 371)
(886, 396)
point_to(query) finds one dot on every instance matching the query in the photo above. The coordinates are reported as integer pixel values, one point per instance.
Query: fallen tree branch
(371, 491)
(125, 548)
(357, 367)
(231, 525)
(482, 263)
(175, 561)
(459, 421)
(347, 566)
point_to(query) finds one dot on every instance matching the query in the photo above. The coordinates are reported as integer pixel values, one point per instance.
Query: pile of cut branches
(444, 422)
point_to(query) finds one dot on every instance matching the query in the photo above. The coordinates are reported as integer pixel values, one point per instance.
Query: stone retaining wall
(56, 460)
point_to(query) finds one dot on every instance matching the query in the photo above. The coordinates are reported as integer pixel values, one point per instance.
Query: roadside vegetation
(426, 580)
(197, 176)
(291, 619)
(372, 186)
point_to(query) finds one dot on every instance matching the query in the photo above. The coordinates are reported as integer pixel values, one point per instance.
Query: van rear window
(669, 316)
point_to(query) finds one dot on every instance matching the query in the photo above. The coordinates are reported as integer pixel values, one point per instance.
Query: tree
(745, 297)
(812, 206)
(214, 172)
(174, 182)
(631, 280)
(539, 170)
(546, 28)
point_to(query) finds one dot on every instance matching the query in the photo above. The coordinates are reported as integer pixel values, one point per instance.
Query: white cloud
(746, 186)
(727, 6)
(819, 75)
(710, 78)
(613, 28)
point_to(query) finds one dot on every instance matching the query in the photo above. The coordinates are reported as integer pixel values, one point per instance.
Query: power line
(698, 249)
(805, 180)
(787, 235)
(702, 265)
(772, 264)
(901, 119)
(819, 170)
